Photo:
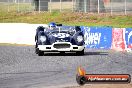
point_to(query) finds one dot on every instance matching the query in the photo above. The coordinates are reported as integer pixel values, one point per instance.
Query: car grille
(60, 46)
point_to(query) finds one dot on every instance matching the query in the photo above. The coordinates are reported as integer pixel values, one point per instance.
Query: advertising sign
(128, 38)
(97, 37)
(118, 39)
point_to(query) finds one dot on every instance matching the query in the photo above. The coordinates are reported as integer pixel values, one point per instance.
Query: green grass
(67, 18)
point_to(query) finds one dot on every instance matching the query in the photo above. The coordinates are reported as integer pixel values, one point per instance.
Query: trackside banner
(118, 39)
(108, 38)
(128, 38)
(97, 37)
(122, 39)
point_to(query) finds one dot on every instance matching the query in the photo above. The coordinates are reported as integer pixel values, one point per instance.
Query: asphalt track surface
(20, 67)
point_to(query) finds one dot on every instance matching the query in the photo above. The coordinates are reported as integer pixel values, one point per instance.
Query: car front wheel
(80, 52)
(40, 53)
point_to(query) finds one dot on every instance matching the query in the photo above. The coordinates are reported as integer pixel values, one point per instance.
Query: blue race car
(60, 39)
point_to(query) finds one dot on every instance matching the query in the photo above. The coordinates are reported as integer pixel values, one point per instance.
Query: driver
(52, 25)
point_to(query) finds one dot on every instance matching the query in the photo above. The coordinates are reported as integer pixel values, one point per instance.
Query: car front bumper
(61, 46)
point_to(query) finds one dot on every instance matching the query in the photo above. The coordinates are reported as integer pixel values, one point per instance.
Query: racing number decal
(61, 35)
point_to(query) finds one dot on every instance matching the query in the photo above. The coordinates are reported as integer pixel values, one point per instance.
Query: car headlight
(79, 38)
(42, 38)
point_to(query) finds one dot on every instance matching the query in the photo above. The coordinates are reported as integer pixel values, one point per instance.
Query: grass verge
(68, 18)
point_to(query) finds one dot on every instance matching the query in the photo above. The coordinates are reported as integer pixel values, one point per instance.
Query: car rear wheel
(36, 49)
(80, 52)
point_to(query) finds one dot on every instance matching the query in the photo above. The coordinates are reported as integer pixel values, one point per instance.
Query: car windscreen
(63, 29)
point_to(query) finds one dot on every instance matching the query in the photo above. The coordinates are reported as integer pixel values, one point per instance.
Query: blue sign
(128, 37)
(97, 37)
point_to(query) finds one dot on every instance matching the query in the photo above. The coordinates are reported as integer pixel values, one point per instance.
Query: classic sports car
(61, 39)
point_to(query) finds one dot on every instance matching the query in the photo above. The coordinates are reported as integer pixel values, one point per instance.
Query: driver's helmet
(52, 25)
